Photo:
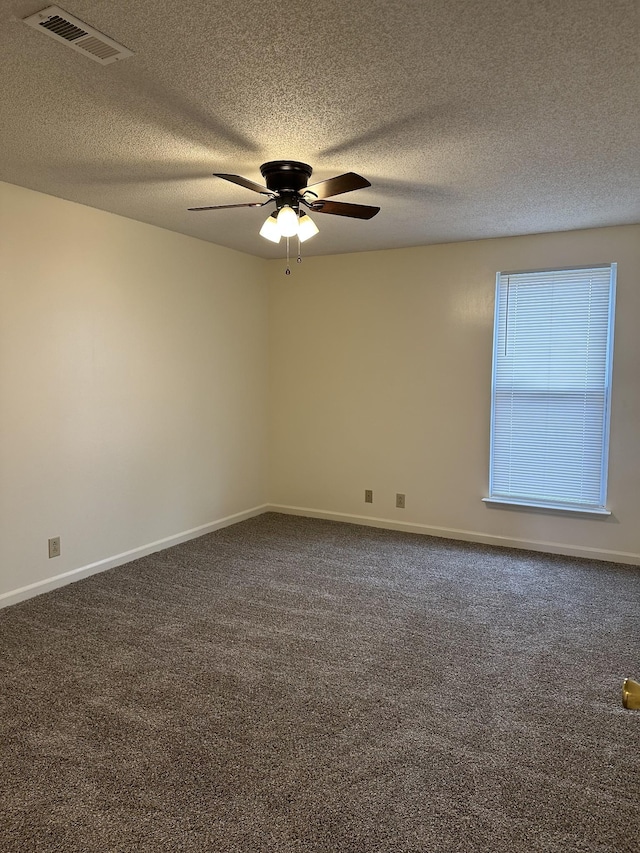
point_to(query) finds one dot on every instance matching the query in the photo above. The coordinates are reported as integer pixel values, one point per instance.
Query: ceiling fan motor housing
(286, 178)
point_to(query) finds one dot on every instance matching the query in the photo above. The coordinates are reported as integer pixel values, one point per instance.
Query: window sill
(588, 510)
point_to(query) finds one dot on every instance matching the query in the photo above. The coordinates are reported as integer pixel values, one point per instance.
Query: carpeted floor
(295, 685)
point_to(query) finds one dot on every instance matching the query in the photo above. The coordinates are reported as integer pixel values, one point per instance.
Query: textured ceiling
(471, 119)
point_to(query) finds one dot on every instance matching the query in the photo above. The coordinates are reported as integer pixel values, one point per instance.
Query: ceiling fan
(286, 185)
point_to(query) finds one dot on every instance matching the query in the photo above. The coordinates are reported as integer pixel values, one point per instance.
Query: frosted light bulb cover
(287, 221)
(270, 230)
(306, 228)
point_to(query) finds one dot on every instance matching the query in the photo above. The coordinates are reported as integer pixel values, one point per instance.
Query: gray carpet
(294, 685)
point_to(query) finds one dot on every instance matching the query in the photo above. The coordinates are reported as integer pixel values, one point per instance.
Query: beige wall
(132, 385)
(134, 388)
(380, 379)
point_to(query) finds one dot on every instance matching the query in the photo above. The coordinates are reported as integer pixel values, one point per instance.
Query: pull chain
(287, 271)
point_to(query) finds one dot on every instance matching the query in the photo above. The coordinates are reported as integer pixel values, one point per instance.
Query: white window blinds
(551, 383)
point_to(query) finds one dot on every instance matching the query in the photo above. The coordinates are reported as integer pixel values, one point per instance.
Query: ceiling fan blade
(340, 208)
(340, 184)
(243, 182)
(222, 206)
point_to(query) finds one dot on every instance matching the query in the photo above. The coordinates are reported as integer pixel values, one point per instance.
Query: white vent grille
(62, 26)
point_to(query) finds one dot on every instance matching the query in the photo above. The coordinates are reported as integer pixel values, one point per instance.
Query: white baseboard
(464, 535)
(16, 595)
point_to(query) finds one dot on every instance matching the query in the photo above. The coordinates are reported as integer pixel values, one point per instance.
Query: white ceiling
(471, 118)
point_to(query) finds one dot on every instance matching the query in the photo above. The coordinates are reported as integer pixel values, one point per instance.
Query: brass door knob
(631, 694)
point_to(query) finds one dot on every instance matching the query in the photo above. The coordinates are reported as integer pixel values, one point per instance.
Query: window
(551, 385)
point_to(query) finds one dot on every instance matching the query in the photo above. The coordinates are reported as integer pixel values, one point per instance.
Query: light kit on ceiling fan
(286, 184)
(304, 226)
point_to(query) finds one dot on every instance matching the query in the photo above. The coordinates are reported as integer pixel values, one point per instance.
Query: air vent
(62, 26)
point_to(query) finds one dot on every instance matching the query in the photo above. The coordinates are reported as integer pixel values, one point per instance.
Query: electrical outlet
(368, 496)
(54, 547)
(399, 501)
